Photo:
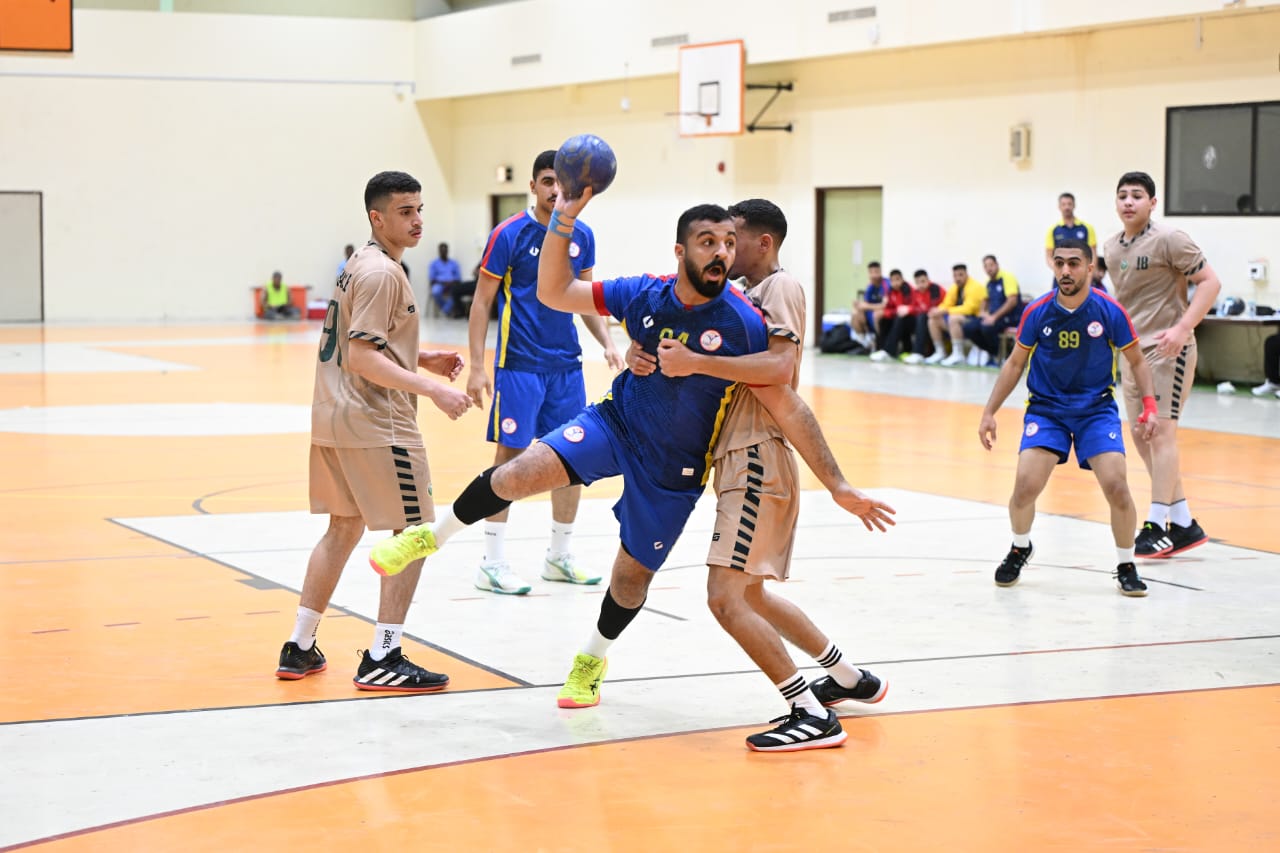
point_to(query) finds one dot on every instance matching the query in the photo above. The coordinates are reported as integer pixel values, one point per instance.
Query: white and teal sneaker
(498, 577)
(563, 568)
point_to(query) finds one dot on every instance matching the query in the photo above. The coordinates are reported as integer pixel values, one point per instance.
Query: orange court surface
(156, 532)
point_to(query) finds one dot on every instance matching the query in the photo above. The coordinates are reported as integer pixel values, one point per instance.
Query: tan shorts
(1172, 378)
(388, 487)
(757, 510)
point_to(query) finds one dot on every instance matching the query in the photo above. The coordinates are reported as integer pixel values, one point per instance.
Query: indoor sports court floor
(153, 535)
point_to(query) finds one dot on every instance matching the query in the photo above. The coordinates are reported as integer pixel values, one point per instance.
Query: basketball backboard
(711, 88)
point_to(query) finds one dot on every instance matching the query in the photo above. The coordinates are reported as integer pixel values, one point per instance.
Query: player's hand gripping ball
(584, 161)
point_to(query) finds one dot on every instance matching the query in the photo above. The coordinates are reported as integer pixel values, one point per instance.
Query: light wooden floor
(153, 535)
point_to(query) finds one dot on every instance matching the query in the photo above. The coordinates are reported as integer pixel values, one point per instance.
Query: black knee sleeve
(478, 500)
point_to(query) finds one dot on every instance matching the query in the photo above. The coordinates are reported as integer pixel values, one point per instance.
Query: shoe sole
(294, 675)
(378, 688)
(524, 590)
(1134, 593)
(816, 743)
(876, 698)
(563, 579)
(1013, 582)
(1174, 551)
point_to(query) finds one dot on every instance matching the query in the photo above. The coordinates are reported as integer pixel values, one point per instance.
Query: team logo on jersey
(711, 340)
(1111, 435)
(574, 250)
(1079, 233)
(574, 434)
(1094, 329)
(1046, 331)
(658, 546)
(534, 250)
(508, 425)
(1124, 265)
(1032, 429)
(648, 322)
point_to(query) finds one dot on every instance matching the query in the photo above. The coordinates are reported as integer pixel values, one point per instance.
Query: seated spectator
(443, 277)
(463, 294)
(868, 308)
(1270, 367)
(928, 295)
(347, 252)
(1002, 310)
(963, 302)
(1100, 273)
(275, 300)
(897, 319)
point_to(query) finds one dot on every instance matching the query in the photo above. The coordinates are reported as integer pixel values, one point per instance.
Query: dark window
(1220, 161)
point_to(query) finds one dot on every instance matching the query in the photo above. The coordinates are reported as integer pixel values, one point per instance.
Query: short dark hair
(892, 273)
(1061, 196)
(762, 215)
(1076, 244)
(919, 273)
(955, 267)
(873, 264)
(1100, 263)
(384, 184)
(545, 160)
(993, 259)
(699, 213)
(1141, 179)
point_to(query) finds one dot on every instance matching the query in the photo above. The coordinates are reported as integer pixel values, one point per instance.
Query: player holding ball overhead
(1070, 337)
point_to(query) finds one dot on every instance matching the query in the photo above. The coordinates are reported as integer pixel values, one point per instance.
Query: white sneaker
(563, 568)
(879, 355)
(938, 357)
(498, 577)
(953, 359)
(977, 357)
(1266, 388)
(913, 358)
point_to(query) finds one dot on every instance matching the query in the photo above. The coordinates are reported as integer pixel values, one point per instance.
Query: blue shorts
(650, 516)
(526, 405)
(1092, 433)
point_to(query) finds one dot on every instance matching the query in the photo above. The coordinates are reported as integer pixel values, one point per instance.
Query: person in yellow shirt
(963, 300)
(1068, 228)
(275, 300)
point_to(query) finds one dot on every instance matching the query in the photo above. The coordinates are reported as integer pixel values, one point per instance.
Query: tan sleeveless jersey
(372, 302)
(780, 297)
(1150, 276)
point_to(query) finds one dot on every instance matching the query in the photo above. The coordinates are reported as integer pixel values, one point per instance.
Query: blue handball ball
(585, 160)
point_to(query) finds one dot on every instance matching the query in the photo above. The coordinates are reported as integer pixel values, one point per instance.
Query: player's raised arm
(558, 286)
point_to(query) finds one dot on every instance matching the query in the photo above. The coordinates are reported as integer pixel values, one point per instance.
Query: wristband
(1148, 409)
(561, 226)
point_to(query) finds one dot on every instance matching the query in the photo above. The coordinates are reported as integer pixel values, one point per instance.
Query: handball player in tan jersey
(368, 463)
(1151, 265)
(757, 486)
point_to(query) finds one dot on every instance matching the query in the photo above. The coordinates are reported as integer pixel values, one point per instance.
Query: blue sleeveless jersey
(672, 424)
(1073, 353)
(531, 336)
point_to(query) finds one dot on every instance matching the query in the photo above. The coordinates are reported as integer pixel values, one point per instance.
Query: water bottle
(1251, 308)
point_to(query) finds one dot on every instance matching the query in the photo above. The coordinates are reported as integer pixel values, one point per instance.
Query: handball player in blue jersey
(1071, 337)
(537, 370)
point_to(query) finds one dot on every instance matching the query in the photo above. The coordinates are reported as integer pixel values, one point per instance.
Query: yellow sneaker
(391, 555)
(582, 687)
(564, 569)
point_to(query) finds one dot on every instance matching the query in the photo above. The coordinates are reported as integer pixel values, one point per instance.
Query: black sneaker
(1185, 538)
(830, 692)
(1153, 542)
(1014, 562)
(799, 730)
(1129, 582)
(295, 663)
(396, 673)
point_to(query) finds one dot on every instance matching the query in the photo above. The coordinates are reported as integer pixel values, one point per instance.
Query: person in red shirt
(927, 296)
(897, 321)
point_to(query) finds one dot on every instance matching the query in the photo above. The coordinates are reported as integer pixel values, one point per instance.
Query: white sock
(1124, 555)
(446, 526)
(495, 540)
(597, 645)
(385, 638)
(1180, 513)
(1022, 540)
(795, 690)
(560, 534)
(832, 660)
(1158, 514)
(304, 628)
